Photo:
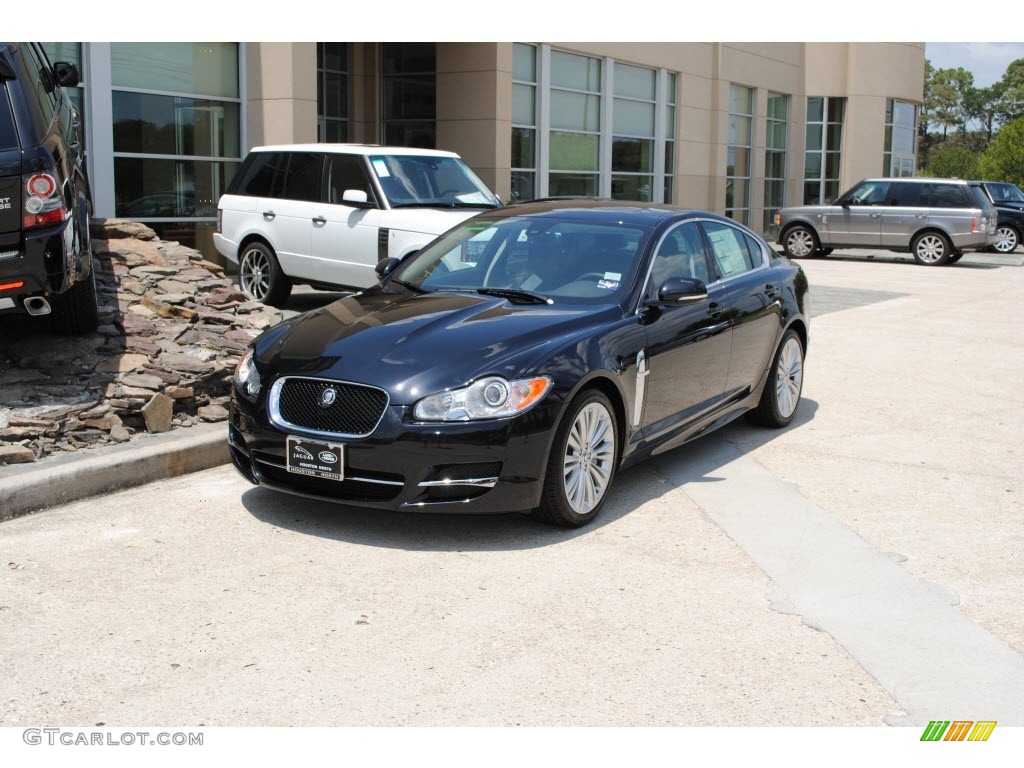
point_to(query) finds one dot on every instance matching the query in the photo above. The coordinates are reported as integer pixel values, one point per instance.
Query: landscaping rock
(157, 413)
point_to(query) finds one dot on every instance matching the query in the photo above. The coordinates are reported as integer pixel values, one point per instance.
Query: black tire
(800, 242)
(1009, 239)
(932, 249)
(593, 462)
(823, 252)
(76, 311)
(781, 396)
(956, 257)
(260, 275)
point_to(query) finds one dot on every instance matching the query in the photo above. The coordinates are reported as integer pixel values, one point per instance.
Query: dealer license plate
(314, 458)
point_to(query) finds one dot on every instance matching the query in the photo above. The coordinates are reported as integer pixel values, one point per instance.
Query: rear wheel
(76, 312)
(932, 249)
(260, 275)
(581, 465)
(1008, 240)
(781, 394)
(800, 242)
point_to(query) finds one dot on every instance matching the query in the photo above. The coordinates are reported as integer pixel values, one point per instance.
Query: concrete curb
(56, 480)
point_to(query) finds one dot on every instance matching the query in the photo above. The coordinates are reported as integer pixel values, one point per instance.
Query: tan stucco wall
(474, 108)
(282, 93)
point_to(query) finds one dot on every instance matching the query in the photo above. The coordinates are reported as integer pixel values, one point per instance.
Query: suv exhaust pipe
(37, 305)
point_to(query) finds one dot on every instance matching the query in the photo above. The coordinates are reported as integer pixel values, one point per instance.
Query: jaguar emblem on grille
(327, 397)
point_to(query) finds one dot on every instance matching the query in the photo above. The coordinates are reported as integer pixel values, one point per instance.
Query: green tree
(1004, 158)
(953, 162)
(1009, 102)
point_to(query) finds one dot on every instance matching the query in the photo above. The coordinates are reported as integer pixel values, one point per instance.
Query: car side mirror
(680, 290)
(385, 267)
(357, 198)
(66, 74)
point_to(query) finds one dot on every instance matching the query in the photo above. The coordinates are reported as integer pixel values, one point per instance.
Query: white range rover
(326, 214)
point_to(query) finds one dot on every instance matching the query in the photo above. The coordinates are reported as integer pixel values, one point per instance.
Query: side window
(8, 134)
(755, 249)
(868, 193)
(729, 246)
(41, 80)
(946, 196)
(905, 194)
(258, 180)
(346, 172)
(680, 254)
(302, 180)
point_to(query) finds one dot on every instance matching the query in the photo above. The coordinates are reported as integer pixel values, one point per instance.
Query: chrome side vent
(382, 243)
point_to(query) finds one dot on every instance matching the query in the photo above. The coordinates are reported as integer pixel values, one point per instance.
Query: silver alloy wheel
(930, 248)
(589, 455)
(789, 377)
(254, 273)
(800, 242)
(1007, 242)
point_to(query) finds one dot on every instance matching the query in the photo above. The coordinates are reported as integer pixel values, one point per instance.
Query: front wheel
(581, 465)
(932, 249)
(781, 394)
(1008, 240)
(261, 277)
(800, 242)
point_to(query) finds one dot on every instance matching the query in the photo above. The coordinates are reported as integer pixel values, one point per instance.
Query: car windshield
(1005, 193)
(429, 181)
(531, 259)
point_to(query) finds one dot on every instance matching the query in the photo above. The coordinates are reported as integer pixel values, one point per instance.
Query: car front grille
(354, 410)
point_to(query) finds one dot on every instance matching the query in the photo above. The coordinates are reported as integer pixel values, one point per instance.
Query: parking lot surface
(750, 578)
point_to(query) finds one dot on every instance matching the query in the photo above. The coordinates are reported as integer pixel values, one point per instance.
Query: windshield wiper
(526, 297)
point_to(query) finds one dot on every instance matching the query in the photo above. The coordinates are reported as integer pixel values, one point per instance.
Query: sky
(986, 61)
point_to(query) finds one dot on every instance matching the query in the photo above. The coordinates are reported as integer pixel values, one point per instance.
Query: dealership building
(736, 128)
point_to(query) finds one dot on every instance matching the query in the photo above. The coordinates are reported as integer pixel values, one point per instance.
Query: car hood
(1015, 207)
(413, 345)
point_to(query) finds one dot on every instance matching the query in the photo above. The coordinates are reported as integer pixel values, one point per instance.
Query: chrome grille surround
(343, 408)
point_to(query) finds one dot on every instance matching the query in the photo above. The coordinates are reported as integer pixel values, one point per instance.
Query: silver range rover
(934, 219)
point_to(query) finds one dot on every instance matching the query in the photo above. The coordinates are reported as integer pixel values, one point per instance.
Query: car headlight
(246, 379)
(489, 398)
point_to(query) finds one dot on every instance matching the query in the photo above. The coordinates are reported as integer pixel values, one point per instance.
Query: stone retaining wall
(171, 329)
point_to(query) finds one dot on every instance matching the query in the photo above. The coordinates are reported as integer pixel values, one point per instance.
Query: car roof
(621, 211)
(919, 180)
(354, 149)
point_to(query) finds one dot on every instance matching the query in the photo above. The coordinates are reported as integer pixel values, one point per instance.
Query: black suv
(1009, 203)
(46, 264)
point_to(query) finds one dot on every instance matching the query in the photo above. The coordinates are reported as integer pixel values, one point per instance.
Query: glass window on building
(602, 127)
(900, 156)
(409, 77)
(524, 121)
(176, 133)
(741, 141)
(776, 144)
(634, 108)
(574, 138)
(332, 92)
(823, 149)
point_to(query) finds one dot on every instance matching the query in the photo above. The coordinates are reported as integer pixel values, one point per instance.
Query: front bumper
(492, 466)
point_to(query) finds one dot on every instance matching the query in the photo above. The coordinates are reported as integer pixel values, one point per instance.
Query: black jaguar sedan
(521, 358)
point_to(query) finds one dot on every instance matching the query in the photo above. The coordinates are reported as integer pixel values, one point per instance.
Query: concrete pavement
(699, 599)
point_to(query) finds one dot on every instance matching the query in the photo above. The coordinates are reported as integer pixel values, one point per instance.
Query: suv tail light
(220, 221)
(43, 204)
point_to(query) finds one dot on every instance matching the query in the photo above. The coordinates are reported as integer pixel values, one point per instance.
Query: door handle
(269, 215)
(920, 215)
(771, 289)
(715, 310)
(875, 215)
(319, 220)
